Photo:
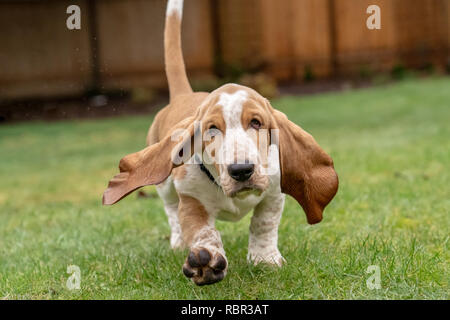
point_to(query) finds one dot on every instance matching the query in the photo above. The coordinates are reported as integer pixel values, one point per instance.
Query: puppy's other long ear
(307, 172)
(147, 167)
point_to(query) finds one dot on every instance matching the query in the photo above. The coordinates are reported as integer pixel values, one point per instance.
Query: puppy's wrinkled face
(236, 140)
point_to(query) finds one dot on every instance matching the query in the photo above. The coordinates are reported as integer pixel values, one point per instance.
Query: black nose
(241, 172)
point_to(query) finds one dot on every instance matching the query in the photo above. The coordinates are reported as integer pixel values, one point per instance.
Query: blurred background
(115, 64)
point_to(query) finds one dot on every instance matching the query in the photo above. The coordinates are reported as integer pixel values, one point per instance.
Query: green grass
(391, 148)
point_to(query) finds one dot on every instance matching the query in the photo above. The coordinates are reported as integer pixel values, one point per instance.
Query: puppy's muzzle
(241, 172)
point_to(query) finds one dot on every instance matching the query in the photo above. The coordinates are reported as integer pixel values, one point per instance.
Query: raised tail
(173, 55)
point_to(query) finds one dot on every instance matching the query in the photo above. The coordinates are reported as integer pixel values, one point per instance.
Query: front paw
(272, 257)
(204, 266)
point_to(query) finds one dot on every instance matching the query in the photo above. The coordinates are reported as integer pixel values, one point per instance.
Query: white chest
(234, 209)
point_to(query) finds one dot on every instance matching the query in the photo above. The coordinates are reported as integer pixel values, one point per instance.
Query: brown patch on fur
(230, 88)
(193, 217)
(214, 116)
(181, 108)
(179, 173)
(253, 109)
(307, 172)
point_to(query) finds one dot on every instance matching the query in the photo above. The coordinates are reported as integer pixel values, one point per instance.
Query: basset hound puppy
(220, 155)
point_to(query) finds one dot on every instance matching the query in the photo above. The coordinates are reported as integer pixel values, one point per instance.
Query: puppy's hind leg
(168, 194)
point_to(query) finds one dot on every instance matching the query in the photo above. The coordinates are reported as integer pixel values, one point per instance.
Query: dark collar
(208, 174)
(205, 171)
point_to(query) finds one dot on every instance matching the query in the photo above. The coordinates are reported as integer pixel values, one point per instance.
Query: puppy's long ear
(307, 172)
(149, 166)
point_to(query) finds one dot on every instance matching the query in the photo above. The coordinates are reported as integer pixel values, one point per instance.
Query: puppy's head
(242, 140)
(236, 126)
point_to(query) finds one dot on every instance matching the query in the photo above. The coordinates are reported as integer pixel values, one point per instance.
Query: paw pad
(204, 268)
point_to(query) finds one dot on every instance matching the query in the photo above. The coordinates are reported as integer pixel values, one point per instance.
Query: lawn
(391, 149)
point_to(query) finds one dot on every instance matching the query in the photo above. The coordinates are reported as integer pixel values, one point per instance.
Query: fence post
(93, 28)
(333, 37)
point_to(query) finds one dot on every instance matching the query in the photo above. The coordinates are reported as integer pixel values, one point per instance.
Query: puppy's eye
(213, 131)
(255, 124)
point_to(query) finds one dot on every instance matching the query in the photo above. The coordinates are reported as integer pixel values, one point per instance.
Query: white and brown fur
(193, 201)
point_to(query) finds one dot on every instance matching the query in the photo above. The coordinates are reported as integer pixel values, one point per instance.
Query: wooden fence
(120, 44)
(329, 37)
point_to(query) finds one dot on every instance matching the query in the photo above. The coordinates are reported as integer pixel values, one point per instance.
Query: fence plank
(131, 41)
(358, 47)
(422, 30)
(39, 56)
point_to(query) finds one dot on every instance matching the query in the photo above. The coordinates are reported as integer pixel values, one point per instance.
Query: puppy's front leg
(206, 262)
(263, 239)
